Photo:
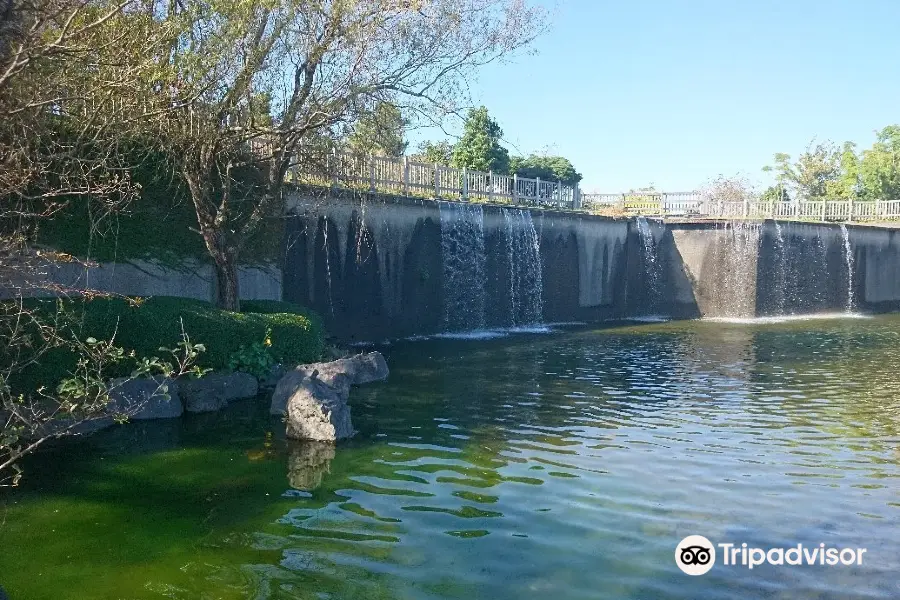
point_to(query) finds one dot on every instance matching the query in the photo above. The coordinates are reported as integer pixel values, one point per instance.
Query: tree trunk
(227, 289)
(224, 257)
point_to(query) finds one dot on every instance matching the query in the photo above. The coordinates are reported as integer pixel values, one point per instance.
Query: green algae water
(562, 466)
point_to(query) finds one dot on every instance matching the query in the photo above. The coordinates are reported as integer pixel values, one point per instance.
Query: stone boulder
(145, 398)
(215, 390)
(314, 397)
(341, 373)
(318, 411)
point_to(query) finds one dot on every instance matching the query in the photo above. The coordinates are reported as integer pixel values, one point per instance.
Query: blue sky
(675, 92)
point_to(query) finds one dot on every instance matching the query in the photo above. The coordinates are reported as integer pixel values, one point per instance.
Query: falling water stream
(739, 245)
(780, 287)
(848, 258)
(462, 249)
(651, 265)
(524, 260)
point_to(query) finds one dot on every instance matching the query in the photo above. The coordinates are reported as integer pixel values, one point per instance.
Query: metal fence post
(559, 198)
(851, 205)
(537, 191)
(465, 184)
(515, 194)
(746, 207)
(490, 186)
(824, 209)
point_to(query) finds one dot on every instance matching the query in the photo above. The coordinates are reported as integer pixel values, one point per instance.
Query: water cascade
(848, 258)
(739, 244)
(652, 266)
(463, 256)
(781, 270)
(524, 260)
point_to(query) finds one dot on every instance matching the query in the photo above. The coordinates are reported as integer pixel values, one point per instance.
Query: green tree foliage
(479, 147)
(553, 168)
(814, 172)
(879, 169)
(827, 172)
(379, 131)
(775, 193)
(847, 185)
(434, 152)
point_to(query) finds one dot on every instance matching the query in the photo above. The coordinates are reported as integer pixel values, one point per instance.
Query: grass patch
(296, 334)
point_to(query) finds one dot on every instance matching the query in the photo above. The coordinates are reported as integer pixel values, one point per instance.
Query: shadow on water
(567, 465)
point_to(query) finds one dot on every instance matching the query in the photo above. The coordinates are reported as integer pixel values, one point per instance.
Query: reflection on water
(565, 466)
(308, 462)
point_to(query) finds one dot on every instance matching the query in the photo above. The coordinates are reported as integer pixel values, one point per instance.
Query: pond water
(562, 466)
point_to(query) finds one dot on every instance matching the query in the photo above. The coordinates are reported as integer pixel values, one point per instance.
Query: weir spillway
(383, 266)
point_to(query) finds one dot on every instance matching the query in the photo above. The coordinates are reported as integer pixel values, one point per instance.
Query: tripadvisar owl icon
(695, 555)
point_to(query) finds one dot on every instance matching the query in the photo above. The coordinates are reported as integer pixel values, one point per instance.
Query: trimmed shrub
(145, 325)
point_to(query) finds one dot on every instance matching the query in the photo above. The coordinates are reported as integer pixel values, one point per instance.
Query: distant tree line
(479, 148)
(825, 171)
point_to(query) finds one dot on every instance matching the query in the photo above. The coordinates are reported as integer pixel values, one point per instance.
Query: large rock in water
(318, 411)
(215, 390)
(314, 397)
(145, 398)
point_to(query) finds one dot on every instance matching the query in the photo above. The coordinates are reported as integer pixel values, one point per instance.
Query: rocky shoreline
(312, 397)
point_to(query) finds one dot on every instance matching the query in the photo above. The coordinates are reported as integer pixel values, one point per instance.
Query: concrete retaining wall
(144, 278)
(373, 267)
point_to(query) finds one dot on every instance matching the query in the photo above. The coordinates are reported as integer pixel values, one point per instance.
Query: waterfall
(463, 255)
(781, 268)
(848, 259)
(524, 260)
(739, 247)
(651, 264)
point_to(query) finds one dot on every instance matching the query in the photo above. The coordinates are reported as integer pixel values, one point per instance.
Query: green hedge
(297, 335)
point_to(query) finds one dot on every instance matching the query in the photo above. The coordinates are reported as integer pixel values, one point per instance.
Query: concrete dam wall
(392, 267)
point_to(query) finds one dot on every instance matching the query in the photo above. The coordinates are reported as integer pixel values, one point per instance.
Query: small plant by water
(255, 359)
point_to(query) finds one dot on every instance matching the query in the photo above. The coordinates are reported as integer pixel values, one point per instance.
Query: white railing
(694, 204)
(410, 178)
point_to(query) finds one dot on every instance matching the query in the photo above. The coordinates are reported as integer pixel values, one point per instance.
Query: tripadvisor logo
(696, 555)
